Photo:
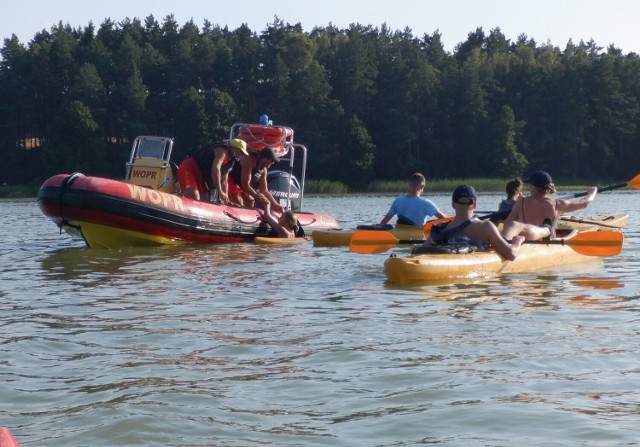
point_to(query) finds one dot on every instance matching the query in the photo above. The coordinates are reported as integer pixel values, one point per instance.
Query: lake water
(243, 345)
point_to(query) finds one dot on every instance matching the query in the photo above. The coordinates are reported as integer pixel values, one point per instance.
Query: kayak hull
(342, 238)
(612, 222)
(263, 240)
(439, 267)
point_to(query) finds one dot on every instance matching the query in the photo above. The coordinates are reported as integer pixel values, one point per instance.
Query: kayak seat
(379, 227)
(455, 248)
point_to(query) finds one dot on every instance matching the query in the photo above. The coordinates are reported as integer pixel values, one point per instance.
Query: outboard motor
(279, 182)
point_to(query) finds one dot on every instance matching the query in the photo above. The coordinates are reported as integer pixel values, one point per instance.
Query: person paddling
(482, 234)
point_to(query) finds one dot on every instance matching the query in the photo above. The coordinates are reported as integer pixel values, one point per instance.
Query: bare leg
(528, 231)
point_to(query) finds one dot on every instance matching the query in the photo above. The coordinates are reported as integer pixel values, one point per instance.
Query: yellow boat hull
(341, 238)
(263, 240)
(612, 222)
(439, 267)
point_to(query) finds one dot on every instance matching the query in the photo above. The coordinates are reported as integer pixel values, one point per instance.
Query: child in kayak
(482, 234)
(412, 209)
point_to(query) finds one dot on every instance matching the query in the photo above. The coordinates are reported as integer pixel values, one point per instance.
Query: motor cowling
(283, 186)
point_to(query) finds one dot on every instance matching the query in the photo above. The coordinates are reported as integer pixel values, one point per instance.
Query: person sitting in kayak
(535, 216)
(285, 226)
(246, 186)
(412, 209)
(208, 168)
(464, 227)
(514, 192)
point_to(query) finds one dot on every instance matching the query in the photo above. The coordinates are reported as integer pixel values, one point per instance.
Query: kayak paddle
(634, 183)
(589, 243)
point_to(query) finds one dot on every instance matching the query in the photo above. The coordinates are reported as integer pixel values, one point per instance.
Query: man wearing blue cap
(535, 216)
(482, 234)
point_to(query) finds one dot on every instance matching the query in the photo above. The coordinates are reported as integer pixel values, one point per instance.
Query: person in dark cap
(536, 215)
(482, 234)
(248, 187)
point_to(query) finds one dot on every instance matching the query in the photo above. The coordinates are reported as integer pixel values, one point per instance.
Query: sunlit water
(243, 345)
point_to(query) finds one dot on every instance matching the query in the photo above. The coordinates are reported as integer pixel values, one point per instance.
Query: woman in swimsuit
(535, 216)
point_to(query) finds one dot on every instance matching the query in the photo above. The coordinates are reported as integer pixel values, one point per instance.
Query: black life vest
(204, 159)
(256, 171)
(439, 234)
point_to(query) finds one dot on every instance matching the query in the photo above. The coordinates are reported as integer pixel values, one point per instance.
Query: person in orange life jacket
(411, 208)
(535, 216)
(285, 226)
(244, 184)
(464, 226)
(208, 168)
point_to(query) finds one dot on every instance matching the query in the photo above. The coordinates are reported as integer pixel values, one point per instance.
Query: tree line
(370, 103)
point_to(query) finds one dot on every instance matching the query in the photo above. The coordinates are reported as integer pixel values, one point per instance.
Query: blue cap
(539, 179)
(465, 195)
(264, 120)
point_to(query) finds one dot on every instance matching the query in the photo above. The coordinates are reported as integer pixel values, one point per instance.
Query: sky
(552, 22)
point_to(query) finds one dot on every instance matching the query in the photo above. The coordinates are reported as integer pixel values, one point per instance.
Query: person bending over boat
(464, 228)
(412, 209)
(285, 226)
(209, 168)
(535, 216)
(244, 184)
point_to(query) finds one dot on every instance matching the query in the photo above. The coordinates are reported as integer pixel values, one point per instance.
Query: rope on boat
(227, 213)
(66, 183)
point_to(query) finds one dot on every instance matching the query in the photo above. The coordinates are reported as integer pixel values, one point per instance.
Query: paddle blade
(427, 227)
(634, 182)
(597, 243)
(370, 242)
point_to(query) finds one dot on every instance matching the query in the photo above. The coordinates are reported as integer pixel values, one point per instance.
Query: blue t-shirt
(414, 209)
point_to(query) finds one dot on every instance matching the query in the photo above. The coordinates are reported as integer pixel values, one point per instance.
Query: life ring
(258, 137)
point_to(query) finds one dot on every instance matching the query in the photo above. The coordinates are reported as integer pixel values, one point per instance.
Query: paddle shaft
(605, 189)
(634, 183)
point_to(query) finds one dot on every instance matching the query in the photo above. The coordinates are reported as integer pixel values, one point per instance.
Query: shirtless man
(483, 234)
(535, 217)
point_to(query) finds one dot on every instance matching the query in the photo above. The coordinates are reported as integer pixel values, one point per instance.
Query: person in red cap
(535, 216)
(465, 228)
(248, 186)
(208, 168)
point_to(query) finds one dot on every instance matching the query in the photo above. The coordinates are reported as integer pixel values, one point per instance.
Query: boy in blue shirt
(412, 209)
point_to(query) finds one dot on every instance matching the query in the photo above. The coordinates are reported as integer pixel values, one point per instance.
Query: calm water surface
(242, 345)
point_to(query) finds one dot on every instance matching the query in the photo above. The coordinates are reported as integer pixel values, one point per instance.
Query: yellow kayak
(340, 238)
(574, 248)
(264, 240)
(615, 221)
